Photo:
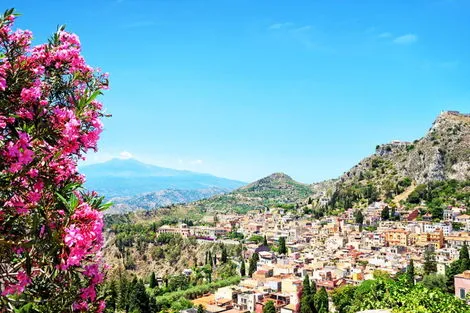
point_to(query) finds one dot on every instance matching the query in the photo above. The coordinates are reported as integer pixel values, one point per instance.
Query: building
(435, 238)
(458, 241)
(432, 227)
(462, 284)
(397, 237)
(183, 230)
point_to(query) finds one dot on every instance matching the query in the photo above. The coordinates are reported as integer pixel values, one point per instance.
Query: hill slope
(275, 190)
(442, 154)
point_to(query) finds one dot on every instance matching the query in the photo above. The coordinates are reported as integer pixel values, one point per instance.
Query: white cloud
(196, 162)
(303, 28)
(405, 39)
(385, 35)
(125, 155)
(280, 25)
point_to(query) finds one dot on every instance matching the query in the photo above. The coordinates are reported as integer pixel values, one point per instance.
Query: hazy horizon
(244, 89)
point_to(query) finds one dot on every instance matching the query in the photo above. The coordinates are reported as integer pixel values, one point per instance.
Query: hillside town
(332, 251)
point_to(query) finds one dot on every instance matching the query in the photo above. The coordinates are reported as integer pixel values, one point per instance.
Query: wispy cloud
(385, 35)
(125, 155)
(306, 35)
(405, 39)
(280, 25)
(303, 28)
(138, 24)
(196, 162)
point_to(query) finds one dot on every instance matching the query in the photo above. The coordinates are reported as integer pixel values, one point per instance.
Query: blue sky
(245, 88)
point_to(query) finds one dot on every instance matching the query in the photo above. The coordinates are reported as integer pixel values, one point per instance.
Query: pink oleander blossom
(47, 124)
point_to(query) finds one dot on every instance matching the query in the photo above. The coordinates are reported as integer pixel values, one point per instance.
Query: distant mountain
(167, 197)
(129, 178)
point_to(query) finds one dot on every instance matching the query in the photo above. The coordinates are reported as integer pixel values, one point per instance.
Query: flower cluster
(50, 229)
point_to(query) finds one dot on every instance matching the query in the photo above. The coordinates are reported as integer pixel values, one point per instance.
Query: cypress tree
(321, 301)
(210, 258)
(139, 300)
(153, 281)
(252, 266)
(242, 269)
(305, 305)
(265, 241)
(282, 245)
(224, 256)
(410, 272)
(430, 265)
(306, 287)
(111, 296)
(313, 288)
(123, 297)
(464, 259)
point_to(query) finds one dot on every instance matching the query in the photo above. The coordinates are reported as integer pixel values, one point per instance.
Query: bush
(50, 227)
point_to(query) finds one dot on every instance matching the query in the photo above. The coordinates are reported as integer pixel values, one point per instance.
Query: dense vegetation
(397, 294)
(440, 194)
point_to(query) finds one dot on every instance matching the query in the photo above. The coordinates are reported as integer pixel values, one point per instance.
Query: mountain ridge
(130, 178)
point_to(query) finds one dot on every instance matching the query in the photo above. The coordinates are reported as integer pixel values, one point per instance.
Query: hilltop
(396, 168)
(391, 173)
(277, 189)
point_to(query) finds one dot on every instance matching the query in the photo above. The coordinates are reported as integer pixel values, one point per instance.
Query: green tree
(210, 260)
(269, 307)
(152, 281)
(343, 297)
(265, 241)
(282, 245)
(253, 264)
(385, 214)
(111, 296)
(434, 280)
(305, 305)
(123, 297)
(410, 272)
(464, 259)
(306, 286)
(321, 301)
(200, 308)
(224, 256)
(359, 217)
(139, 299)
(430, 264)
(242, 269)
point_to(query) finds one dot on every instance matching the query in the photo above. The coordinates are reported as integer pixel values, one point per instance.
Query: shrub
(51, 229)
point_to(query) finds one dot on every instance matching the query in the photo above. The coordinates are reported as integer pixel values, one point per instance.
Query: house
(462, 284)
(458, 241)
(464, 218)
(397, 237)
(183, 230)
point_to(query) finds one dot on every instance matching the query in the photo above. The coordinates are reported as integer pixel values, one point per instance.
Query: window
(462, 293)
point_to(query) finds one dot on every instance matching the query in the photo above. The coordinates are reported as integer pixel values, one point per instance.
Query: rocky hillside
(396, 167)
